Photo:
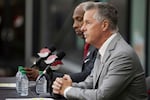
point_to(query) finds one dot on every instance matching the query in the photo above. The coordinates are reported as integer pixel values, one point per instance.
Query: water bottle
(41, 84)
(24, 84)
(18, 79)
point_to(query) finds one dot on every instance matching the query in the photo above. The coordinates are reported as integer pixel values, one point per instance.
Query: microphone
(43, 54)
(54, 61)
(51, 61)
(52, 58)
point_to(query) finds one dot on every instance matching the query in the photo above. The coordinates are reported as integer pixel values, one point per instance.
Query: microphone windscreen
(52, 48)
(60, 55)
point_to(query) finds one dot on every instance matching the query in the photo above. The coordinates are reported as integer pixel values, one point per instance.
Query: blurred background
(26, 26)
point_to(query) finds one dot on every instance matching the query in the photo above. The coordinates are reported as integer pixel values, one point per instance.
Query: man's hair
(86, 3)
(82, 4)
(104, 11)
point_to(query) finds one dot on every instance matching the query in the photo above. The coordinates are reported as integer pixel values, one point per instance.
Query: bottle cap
(40, 72)
(20, 68)
(23, 72)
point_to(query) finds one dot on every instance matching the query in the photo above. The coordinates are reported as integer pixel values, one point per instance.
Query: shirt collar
(105, 45)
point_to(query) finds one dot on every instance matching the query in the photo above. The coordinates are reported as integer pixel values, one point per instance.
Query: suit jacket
(87, 67)
(120, 76)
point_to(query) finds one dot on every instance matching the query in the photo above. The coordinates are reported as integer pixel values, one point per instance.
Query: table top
(8, 90)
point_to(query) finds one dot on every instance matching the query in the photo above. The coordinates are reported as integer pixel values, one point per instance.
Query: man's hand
(60, 84)
(57, 84)
(66, 83)
(31, 73)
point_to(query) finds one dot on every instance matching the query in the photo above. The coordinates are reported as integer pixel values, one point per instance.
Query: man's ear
(105, 25)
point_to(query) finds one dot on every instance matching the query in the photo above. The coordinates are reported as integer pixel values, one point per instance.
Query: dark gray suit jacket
(87, 67)
(120, 76)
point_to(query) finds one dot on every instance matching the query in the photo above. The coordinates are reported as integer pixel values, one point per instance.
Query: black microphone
(44, 53)
(51, 60)
(54, 60)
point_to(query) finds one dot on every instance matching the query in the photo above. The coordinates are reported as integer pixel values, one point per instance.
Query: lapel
(107, 54)
(91, 55)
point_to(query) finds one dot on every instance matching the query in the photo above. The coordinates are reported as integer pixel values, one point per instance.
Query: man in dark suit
(117, 72)
(89, 58)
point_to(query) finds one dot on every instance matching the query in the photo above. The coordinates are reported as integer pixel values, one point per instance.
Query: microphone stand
(48, 74)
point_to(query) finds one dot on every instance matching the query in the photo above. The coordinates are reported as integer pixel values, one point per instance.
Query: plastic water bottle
(41, 84)
(18, 79)
(24, 84)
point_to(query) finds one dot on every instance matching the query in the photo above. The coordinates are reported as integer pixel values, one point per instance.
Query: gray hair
(104, 11)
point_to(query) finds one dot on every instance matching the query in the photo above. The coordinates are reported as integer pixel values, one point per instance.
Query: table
(10, 92)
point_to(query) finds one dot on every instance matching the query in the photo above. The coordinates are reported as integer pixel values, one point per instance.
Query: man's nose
(83, 28)
(75, 25)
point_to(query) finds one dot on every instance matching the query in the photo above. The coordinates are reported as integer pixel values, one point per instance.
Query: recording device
(44, 54)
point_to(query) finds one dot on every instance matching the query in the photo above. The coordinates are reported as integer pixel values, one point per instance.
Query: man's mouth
(78, 32)
(85, 36)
